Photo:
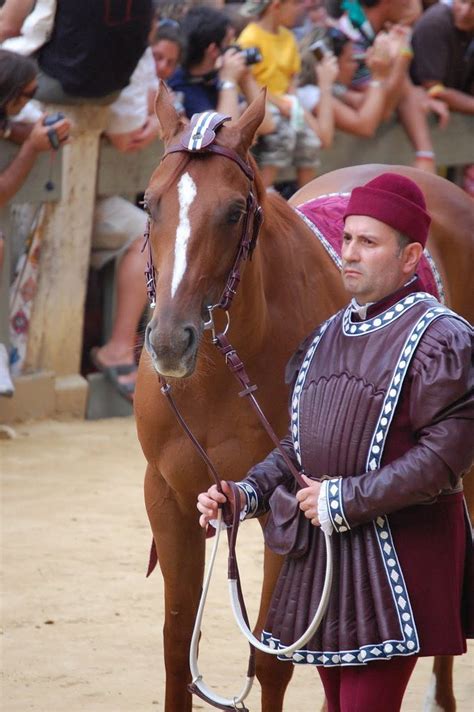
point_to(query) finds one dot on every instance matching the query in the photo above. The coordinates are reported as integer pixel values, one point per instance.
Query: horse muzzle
(173, 353)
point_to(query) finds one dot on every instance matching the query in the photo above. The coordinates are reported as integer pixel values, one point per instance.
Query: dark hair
(402, 240)
(167, 31)
(201, 27)
(336, 39)
(16, 71)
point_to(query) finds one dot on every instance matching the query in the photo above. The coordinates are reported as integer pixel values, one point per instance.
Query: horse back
(451, 239)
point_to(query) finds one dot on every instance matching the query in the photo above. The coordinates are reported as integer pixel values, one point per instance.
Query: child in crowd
(166, 47)
(298, 135)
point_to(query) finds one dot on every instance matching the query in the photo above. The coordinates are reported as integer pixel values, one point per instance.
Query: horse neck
(290, 281)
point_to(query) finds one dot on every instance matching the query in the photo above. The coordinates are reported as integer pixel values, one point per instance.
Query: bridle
(199, 139)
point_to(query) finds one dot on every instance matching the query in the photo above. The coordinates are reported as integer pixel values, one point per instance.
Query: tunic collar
(371, 309)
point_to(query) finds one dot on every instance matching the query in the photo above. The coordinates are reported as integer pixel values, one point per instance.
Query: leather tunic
(383, 407)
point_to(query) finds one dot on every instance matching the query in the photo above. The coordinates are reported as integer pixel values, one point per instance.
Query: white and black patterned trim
(436, 275)
(327, 245)
(368, 326)
(295, 400)
(251, 497)
(334, 505)
(396, 383)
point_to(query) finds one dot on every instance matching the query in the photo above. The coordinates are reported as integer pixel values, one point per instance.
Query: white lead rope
(237, 609)
(314, 625)
(193, 650)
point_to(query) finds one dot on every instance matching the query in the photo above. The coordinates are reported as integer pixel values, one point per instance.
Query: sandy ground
(81, 624)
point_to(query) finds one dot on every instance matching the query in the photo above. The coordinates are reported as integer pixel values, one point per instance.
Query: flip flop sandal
(112, 374)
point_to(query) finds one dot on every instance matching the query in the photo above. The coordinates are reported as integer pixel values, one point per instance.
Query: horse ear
(252, 118)
(166, 113)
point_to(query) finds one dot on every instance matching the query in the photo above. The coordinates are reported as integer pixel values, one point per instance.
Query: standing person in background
(297, 136)
(118, 225)
(361, 23)
(443, 61)
(17, 86)
(213, 75)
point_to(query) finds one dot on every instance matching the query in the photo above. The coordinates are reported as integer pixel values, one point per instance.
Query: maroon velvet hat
(394, 200)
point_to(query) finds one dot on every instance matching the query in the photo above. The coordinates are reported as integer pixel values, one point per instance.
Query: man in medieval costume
(381, 426)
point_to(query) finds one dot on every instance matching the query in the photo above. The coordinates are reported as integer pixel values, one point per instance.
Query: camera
(319, 49)
(50, 120)
(252, 55)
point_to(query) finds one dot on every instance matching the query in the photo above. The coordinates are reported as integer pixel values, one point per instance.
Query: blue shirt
(197, 94)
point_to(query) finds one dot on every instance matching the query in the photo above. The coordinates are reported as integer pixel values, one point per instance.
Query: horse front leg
(440, 694)
(272, 674)
(181, 549)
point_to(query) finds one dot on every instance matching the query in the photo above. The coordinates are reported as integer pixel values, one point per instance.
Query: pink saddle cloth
(324, 215)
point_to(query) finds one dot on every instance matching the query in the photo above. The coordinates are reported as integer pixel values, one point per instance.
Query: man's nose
(350, 251)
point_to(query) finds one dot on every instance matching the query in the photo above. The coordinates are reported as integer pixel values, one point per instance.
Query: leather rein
(200, 139)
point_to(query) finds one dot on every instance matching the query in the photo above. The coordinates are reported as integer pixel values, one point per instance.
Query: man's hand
(231, 66)
(137, 139)
(308, 498)
(208, 502)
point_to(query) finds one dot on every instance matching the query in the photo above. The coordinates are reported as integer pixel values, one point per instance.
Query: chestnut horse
(197, 205)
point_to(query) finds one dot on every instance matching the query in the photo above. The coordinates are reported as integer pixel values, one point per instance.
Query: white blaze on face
(186, 194)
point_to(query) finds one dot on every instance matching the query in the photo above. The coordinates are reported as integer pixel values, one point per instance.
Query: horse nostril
(148, 344)
(191, 336)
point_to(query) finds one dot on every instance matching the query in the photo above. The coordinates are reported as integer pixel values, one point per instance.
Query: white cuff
(334, 505)
(323, 514)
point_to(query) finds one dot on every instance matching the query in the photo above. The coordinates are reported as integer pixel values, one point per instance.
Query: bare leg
(130, 304)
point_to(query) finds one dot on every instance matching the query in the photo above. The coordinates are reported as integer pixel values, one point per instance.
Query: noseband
(199, 139)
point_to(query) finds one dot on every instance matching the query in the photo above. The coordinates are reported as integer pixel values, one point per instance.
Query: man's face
(372, 261)
(463, 13)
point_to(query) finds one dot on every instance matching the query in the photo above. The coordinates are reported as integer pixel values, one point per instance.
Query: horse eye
(234, 215)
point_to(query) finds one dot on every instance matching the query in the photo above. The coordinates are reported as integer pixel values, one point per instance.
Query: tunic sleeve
(267, 475)
(442, 420)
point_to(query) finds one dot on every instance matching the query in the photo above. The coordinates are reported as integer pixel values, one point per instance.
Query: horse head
(202, 208)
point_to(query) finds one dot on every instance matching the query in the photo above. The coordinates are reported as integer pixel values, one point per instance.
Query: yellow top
(280, 56)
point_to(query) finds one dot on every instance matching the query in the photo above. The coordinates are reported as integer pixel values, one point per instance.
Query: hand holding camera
(231, 66)
(39, 138)
(326, 71)
(53, 121)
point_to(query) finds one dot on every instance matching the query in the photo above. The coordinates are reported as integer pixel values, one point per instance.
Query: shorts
(117, 223)
(287, 147)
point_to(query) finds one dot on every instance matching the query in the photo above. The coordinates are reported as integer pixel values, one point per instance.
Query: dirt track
(81, 625)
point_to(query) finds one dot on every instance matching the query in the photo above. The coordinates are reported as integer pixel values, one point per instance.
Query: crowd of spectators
(349, 65)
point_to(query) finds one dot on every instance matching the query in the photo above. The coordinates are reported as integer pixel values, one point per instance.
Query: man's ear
(411, 256)
(213, 51)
